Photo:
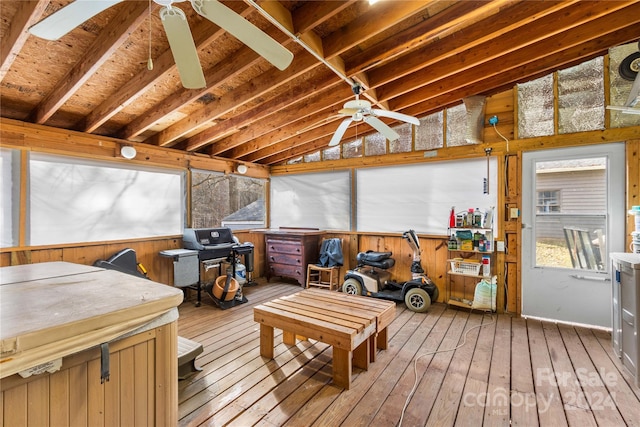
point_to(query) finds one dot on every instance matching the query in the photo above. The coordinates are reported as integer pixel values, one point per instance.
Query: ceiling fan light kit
(360, 110)
(176, 27)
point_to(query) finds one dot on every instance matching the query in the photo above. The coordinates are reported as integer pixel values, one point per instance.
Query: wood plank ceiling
(414, 57)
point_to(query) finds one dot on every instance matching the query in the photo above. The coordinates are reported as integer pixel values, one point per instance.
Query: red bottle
(452, 218)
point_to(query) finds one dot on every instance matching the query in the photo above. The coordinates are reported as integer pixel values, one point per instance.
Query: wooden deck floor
(510, 370)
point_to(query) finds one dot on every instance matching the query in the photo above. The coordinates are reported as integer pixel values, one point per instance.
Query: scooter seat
(380, 260)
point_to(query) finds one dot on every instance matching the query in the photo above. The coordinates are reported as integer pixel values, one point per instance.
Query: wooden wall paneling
(78, 382)
(140, 381)
(20, 257)
(512, 229)
(501, 106)
(86, 255)
(633, 183)
(38, 402)
(151, 385)
(127, 387)
(112, 392)
(15, 406)
(47, 255)
(95, 395)
(437, 269)
(5, 260)
(59, 400)
(166, 373)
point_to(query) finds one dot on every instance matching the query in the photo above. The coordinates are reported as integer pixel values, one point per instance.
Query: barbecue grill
(215, 245)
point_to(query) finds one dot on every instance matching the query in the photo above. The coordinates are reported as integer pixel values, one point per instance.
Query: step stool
(188, 350)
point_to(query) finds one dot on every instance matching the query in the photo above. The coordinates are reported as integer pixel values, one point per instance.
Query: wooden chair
(325, 276)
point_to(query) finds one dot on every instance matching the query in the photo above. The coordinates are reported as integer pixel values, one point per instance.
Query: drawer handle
(272, 247)
(273, 259)
(298, 250)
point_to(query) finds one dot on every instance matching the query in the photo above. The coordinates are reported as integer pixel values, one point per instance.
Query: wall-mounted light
(128, 152)
(242, 169)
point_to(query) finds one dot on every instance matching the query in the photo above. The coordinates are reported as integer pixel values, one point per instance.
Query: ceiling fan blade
(382, 127)
(634, 93)
(339, 133)
(69, 17)
(244, 31)
(398, 116)
(626, 110)
(182, 47)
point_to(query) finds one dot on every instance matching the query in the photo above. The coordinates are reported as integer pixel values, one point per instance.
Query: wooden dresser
(289, 250)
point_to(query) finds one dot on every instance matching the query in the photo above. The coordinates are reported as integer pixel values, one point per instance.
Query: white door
(573, 211)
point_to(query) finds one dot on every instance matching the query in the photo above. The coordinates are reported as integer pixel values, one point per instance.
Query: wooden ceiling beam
(29, 12)
(292, 113)
(295, 145)
(130, 17)
(257, 150)
(471, 54)
(204, 34)
(259, 120)
(518, 72)
(218, 75)
(476, 34)
(468, 86)
(210, 135)
(538, 53)
(436, 27)
(298, 116)
(313, 13)
(379, 17)
(259, 87)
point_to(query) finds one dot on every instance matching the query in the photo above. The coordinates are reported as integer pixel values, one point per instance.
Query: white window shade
(420, 197)
(72, 200)
(317, 200)
(10, 193)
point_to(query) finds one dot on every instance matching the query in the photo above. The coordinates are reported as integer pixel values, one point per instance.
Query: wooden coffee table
(353, 325)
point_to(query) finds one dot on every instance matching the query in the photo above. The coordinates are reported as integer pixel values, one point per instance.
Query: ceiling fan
(629, 69)
(178, 32)
(359, 110)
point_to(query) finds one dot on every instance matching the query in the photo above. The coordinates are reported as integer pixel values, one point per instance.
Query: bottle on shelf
(453, 243)
(452, 217)
(477, 218)
(486, 266)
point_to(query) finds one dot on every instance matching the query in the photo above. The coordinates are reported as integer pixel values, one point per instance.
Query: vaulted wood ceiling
(414, 57)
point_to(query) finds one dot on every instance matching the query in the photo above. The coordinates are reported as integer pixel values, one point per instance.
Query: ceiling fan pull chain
(150, 61)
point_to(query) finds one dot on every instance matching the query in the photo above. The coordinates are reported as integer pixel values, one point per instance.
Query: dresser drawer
(284, 246)
(285, 270)
(285, 258)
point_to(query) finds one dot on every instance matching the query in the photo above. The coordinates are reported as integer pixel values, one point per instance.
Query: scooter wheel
(352, 287)
(417, 300)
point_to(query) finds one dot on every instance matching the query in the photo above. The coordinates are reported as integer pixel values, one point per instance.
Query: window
(75, 200)
(318, 200)
(9, 183)
(548, 201)
(219, 200)
(420, 196)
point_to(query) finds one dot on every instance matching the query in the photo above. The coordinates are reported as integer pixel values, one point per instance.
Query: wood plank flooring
(487, 371)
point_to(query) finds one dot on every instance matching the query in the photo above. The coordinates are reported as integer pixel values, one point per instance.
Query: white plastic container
(486, 266)
(241, 273)
(635, 242)
(635, 210)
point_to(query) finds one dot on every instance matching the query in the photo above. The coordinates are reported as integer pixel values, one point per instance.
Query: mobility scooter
(371, 278)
